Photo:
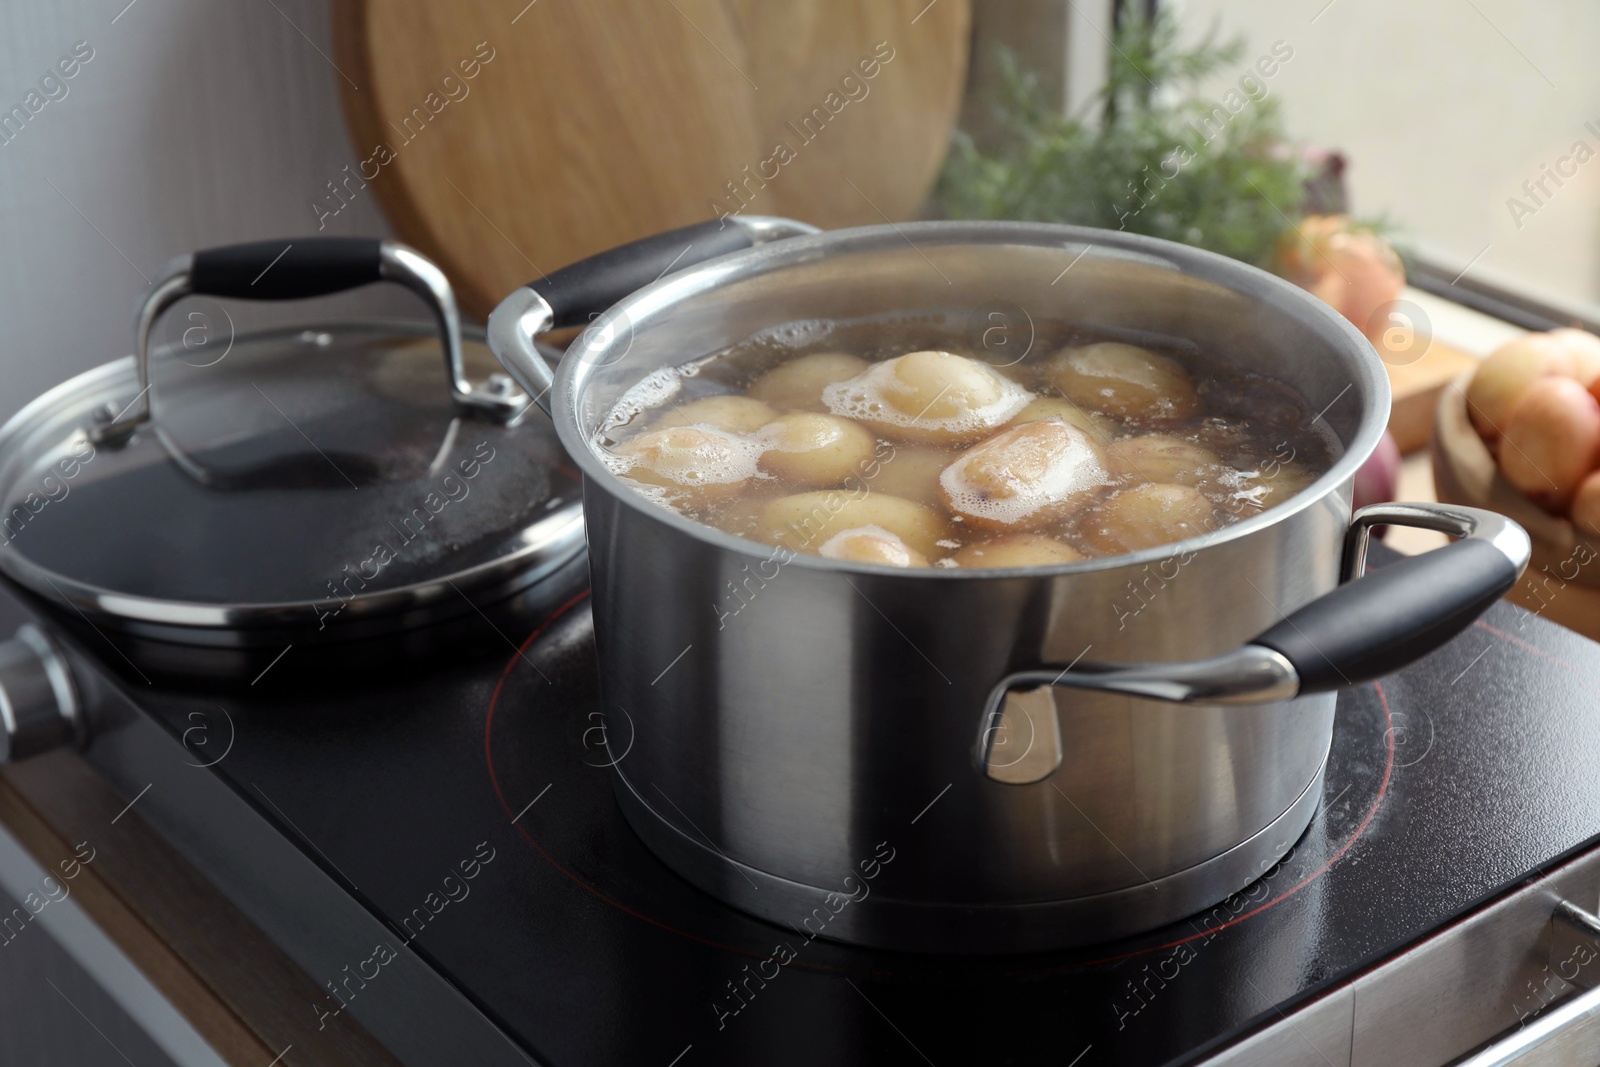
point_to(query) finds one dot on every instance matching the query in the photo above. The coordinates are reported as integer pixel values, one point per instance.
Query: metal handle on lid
(39, 707)
(293, 270)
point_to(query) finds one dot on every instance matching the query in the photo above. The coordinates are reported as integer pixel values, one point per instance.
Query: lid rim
(556, 539)
(117, 608)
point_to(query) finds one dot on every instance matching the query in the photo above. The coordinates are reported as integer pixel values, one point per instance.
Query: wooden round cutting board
(507, 138)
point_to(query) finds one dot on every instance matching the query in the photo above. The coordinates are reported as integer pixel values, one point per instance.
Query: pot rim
(660, 296)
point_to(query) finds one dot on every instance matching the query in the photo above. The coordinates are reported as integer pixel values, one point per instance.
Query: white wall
(196, 123)
(1444, 109)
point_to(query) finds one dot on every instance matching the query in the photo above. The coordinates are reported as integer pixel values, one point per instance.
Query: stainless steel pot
(994, 760)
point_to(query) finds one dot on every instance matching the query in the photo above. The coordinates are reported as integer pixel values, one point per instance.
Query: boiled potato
(697, 462)
(1551, 440)
(1162, 458)
(1146, 516)
(736, 414)
(1266, 487)
(939, 385)
(1502, 379)
(1586, 506)
(806, 521)
(739, 514)
(797, 385)
(928, 396)
(872, 544)
(1039, 472)
(1124, 380)
(1017, 550)
(812, 450)
(912, 472)
(1099, 428)
(1224, 436)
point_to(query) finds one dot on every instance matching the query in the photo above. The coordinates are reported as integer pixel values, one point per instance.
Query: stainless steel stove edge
(1515, 982)
(418, 1015)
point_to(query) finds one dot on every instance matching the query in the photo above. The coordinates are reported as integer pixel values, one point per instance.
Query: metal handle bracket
(39, 707)
(1253, 673)
(521, 317)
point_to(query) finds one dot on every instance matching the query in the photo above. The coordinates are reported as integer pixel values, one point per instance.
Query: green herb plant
(1163, 159)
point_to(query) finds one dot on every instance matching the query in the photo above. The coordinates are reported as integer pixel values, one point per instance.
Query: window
(1472, 126)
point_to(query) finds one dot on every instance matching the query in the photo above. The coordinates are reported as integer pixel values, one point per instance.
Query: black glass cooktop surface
(1448, 783)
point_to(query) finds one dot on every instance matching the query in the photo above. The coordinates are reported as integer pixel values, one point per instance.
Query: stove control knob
(38, 704)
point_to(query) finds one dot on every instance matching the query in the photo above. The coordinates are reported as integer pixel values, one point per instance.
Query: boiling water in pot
(896, 441)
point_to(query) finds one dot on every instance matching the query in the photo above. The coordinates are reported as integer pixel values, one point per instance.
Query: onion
(1354, 270)
(1586, 506)
(1551, 441)
(1378, 479)
(1584, 348)
(1501, 380)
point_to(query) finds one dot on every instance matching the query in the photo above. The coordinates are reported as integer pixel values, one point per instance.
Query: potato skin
(912, 472)
(1124, 380)
(1162, 458)
(1100, 428)
(1017, 550)
(871, 544)
(796, 385)
(930, 397)
(805, 521)
(807, 449)
(1551, 441)
(1146, 516)
(736, 414)
(695, 463)
(1038, 473)
(1275, 484)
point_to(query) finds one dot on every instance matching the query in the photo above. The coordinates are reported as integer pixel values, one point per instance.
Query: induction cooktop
(459, 813)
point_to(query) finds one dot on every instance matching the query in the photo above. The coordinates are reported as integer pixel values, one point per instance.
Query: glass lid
(307, 477)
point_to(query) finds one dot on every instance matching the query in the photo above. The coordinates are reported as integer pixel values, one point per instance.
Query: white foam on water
(798, 334)
(713, 457)
(865, 399)
(643, 396)
(1032, 473)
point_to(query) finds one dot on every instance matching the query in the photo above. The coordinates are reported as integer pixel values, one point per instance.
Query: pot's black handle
(575, 295)
(296, 268)
(287, 269)
(1368, 628)
(1360, 631)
